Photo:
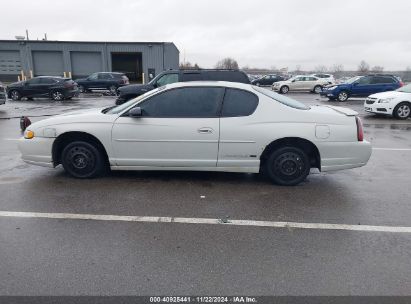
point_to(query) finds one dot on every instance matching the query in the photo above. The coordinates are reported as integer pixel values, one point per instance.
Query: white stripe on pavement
(392, 149)
(209, 221)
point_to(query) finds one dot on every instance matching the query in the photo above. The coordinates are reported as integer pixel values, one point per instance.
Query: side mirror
(293, 80)
(135, 112)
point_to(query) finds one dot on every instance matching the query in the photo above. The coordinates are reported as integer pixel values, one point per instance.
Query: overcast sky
(256, 33)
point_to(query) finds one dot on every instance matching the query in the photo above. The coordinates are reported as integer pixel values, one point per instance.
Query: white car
(300, 83)
(328, 77)
(396, 103)
(203, 126)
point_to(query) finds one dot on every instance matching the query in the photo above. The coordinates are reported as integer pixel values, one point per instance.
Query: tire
(15, 95)
(288, 166)
(402, 110)
(57, 95)
(284, 89)
(342, 96)
(113, 89)
(81, 89)
(81, 159)
(318, 89)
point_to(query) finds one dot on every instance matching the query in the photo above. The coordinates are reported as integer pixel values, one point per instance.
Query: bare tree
(227, 63)
(187, 66)
(337, 70)
(363, 68)
(320, 69)
(377, 69)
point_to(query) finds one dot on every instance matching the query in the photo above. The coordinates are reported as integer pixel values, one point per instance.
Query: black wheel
(15, 95)
(81, 89)
(402, 110)
(318, 89)
(113, 90)
(57, 95)
(342, 96)
(284, 89)
(288, 166)
(82, 160)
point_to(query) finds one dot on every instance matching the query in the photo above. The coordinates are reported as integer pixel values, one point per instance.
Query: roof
(84, 42)
(203, 83)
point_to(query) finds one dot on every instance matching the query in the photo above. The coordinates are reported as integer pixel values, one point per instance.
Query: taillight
(68, 84)
(401, 84)
(360, 130)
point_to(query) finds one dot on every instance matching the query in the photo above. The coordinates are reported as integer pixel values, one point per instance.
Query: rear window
(282, 99)
(239, 103)
(191, 77)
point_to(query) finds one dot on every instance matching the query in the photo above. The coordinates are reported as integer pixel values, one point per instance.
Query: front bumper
(328, 93)
(378, 108)
(37, 151)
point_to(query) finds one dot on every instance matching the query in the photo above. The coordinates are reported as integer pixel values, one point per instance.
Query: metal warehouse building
(79, 59)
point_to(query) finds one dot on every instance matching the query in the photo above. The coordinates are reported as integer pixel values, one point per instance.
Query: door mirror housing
(293, 80)
(135, 112)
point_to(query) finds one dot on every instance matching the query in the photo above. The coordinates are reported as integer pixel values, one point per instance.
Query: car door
(179, 127)
(32, 87)
(237, 130)
(92, 81)
(362, 87)
(298, 83)
(104, 80)
(45, 84)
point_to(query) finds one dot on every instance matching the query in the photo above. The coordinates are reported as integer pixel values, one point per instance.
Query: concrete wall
(155, 55)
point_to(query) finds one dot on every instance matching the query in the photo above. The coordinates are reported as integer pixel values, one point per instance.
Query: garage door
(85, 63)
(48, 63)
(10, 63)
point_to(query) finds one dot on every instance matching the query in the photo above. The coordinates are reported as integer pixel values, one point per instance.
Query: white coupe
(396, 103)
(202, 126)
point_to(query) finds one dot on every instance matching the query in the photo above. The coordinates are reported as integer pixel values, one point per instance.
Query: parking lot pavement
(69, 255)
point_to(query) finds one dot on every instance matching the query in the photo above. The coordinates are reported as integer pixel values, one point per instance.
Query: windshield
(122, 107)
(405, 89)
(351, 80)
(282, 99)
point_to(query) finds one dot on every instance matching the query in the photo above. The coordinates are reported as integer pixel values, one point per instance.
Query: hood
(80, 79)
(389, 94)
(76, 118)
(16, 84)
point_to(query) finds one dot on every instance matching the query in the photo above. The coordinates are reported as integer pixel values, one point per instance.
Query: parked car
(171, 76)
(56, 88)
(267, 80)
(329, 77)
(204, 126)
(300, 83)
(362, 86)
(103, 81)
(396, 103)
(3, 95)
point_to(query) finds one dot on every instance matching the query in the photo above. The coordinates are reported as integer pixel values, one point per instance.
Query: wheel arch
(67, 137)
(306, 145)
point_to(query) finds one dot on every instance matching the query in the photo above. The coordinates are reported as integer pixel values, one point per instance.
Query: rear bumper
(71, 93)
(37, 151)
(344, 155)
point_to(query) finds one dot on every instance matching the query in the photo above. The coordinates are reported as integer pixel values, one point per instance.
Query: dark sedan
(56, 88)
(103, 81)
(267, 80)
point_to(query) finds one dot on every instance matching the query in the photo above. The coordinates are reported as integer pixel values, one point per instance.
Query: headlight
(385, 100)
(331, 88)
(28, 134)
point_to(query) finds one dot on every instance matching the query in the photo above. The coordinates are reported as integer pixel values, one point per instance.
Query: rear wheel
(57, 95)
(342, 96)
(288, 166)
(82, 160)
(402, 110)
(81, 89)
(284, 89)
(15, 95)
(113, 89)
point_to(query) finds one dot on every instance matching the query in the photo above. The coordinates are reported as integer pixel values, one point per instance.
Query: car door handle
(205, 130)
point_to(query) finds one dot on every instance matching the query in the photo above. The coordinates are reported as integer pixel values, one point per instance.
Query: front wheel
(284, 89)
(402, 110)
(342, 96)
(288, 166)
(82, 160)
(15, 95)
(318, 89)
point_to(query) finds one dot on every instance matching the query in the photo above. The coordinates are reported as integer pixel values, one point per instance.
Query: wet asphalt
(82, 257)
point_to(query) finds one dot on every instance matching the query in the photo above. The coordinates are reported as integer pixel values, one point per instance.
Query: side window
(105, 76)
(93, 76)
(364, 80)
(167, 79)
(34, 81)
(312, 78)
(47, 81)
(195, 76)
(184, 102)
(383, 80)
(238, 103)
